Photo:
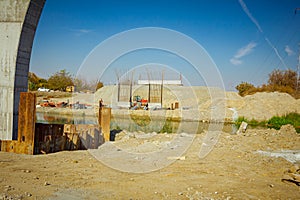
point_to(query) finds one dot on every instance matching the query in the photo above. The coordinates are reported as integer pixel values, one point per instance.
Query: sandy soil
(232, 170)
(237, 167)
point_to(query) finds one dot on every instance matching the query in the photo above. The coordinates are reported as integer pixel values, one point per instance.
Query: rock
(4, 196)
(291, 178)
(294, 169)
(131, 135)
(121, 135)
(46, 183)
(189, 188)
(176, 158)
(296, 177)
(185, 135)
(28, 194)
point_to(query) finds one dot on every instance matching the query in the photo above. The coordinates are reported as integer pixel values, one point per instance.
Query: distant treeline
(60, 81)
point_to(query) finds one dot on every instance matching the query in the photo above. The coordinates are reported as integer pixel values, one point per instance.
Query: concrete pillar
(104, 121)
(18, 22)
(26, 135)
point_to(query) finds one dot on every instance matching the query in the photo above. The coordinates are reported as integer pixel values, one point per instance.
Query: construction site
(36, 138)
(152, 137)
(98, 168)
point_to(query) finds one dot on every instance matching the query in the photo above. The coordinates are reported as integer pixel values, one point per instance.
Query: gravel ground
(233, 169)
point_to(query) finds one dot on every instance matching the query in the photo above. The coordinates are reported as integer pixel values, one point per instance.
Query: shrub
(275, 122)
(284, 81)
(244, 88)
(252, 122)
(291, 118)
(283, 78)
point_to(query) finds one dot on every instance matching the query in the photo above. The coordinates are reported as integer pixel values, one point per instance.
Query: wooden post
(119, 89)
(26, 122)
(26, 125)
(104, 121)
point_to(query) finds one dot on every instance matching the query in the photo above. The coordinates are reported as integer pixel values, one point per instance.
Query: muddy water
(144, 125)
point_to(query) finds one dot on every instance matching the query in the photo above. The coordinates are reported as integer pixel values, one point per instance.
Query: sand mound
(202, 101)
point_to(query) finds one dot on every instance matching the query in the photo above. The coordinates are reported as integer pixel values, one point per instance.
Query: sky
(240, 40)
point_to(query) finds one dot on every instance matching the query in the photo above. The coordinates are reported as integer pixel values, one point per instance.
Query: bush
(252, 122)
(275, 122)
(283, 78)
(279, 81)
(99, 85)
(244, 88)
(291, 118)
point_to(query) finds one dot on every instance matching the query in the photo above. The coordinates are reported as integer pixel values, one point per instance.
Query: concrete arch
(18, 23)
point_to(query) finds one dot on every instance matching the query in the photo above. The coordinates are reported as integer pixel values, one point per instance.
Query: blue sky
(246, 39)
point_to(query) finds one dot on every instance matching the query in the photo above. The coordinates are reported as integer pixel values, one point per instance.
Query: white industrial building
(159, 82)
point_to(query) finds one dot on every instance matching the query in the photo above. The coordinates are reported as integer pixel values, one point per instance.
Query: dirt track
(232, 170)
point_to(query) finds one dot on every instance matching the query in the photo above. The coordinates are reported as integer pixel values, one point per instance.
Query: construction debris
(242, 128)
(292, 175)
(36, 138)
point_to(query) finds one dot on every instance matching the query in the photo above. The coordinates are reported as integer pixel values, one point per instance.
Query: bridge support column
(18, 22)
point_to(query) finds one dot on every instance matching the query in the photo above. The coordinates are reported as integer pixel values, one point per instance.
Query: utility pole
(149, 89)
(118, 84)
(131, 80)
(162, 88)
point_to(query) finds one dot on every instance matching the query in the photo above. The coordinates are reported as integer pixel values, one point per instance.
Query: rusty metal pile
(36, 138)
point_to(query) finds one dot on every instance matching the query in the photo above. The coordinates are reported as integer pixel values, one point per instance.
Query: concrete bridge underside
(18, 23)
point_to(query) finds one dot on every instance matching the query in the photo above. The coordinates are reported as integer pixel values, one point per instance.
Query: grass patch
(291, 118)
(167, 128)
(275, 122)
(141, 120)
(251, 122)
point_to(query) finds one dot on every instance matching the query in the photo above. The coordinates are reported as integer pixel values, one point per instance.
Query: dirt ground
(232, 170)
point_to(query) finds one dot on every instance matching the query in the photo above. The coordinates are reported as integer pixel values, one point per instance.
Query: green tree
(60, 80)
(34, 82)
